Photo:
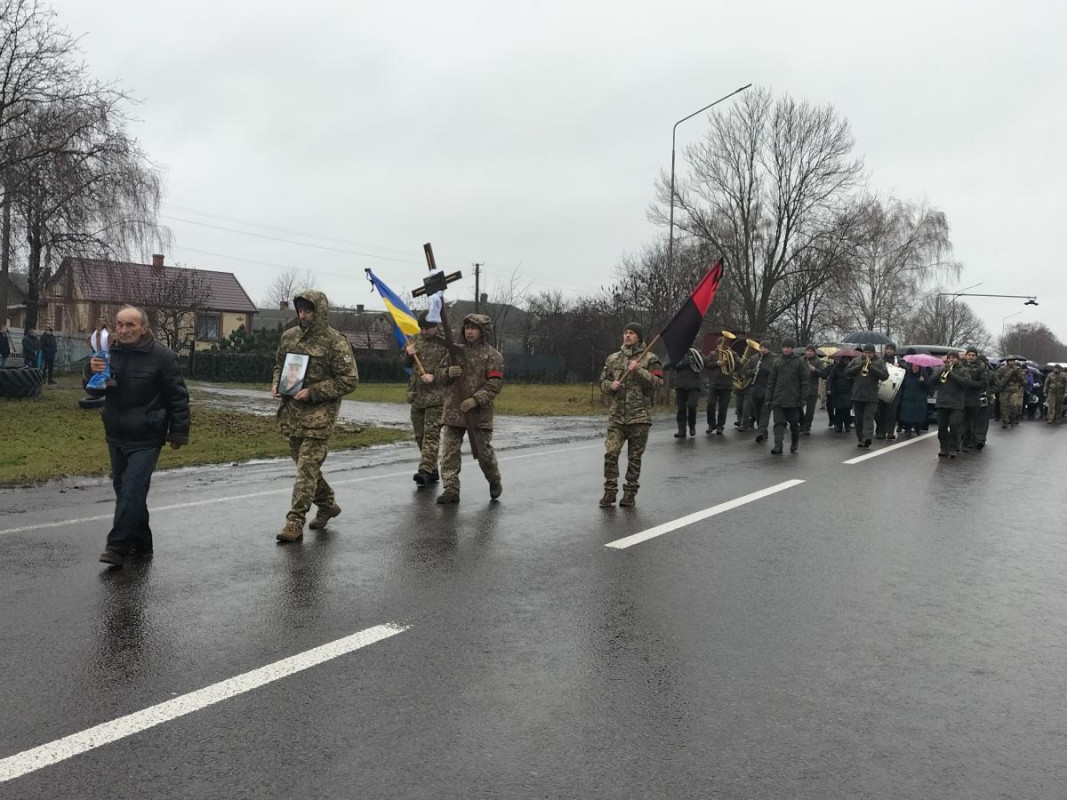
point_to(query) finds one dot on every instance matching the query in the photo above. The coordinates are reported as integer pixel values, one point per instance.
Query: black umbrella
(866, 337)
(1013, 358)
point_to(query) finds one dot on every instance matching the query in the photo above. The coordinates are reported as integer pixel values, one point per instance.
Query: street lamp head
(1031, 302)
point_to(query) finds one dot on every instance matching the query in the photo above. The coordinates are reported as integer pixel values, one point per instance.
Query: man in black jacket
(145, 404)
(787, 390)
(49, 348)
(866, 373)
(951, 383)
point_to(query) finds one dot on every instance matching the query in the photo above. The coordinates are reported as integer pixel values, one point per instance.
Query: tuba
(727, 358)
(742, 380)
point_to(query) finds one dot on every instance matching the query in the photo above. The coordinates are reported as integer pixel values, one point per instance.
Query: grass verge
(52, 437)
(516, 399)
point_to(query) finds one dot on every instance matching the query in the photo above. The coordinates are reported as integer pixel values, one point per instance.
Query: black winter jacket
(149, 404)
(788, 385)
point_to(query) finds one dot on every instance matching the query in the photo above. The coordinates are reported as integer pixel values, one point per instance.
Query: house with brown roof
(206, 306)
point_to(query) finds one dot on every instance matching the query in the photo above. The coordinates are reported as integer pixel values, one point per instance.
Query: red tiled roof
(112, 282)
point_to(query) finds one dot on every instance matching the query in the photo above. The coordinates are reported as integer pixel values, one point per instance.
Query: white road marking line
(287, 490)
(667, 527)
(69, 746)
(882, 451)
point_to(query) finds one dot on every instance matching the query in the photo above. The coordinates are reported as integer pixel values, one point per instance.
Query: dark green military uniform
(630, 413)
(482, 379)
(1055, 388)
(787, 390)
(331, 374)
(1010, 382)
(951, 383)
(867, 372)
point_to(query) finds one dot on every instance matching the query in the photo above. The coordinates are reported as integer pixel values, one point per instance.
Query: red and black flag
(679, 333)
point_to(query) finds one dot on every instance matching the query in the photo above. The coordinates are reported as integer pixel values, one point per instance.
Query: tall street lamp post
(674, 131)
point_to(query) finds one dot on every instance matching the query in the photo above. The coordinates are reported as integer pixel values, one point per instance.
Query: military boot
(420, 478)
(629, 497)
(777, 449)
(448, 497)
(608, 499)
(794, 443)
(496, 488)
(292, 532)
(681, 433)
(325, 514)
(435, 476)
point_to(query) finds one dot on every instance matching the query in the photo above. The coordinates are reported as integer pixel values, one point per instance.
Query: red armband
(658, 373)
(494, 373)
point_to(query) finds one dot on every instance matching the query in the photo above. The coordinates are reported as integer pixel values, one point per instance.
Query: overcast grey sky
(529, 135)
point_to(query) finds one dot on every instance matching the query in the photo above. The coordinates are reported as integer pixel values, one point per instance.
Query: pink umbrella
(924, 360)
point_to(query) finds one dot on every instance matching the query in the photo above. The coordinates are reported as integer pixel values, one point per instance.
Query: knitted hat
(868, 348)
(789, 342)
(637, 328)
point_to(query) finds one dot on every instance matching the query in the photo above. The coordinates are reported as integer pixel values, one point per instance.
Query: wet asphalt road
(891, 628)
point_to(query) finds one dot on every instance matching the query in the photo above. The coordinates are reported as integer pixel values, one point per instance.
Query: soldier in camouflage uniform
(481, 372)
(426, 394)
(630, 414)
(308, 417)
(1055, 387)
(1010, 381)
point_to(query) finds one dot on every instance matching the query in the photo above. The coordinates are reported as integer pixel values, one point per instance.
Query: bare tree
(286, 285)
(503, 299)
(1034, 340)
(172, 297)
(766, 184)
(895, 249)
(946, 321)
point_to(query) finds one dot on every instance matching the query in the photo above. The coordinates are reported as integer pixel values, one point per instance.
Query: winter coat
(482, 378)
(717, 379)
(1009, 379)
(839, 386)
(816, 370)
(433, 355)
(331, 373)
(980, 378)
(762, 369)
(148, 403)
(1056, 383)
(912, 409)
(950, 392)
(631, 403)
(687, 376)
(5, 346)
(788, 383)
(865, 387)
(48, 346)
(30, 345)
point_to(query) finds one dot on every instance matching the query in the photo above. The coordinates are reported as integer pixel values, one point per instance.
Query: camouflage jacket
(482, 379)
(1056, 383)
(433, 354)
(1009, 379)
(331, 374)
(980, 376)
(631, 403)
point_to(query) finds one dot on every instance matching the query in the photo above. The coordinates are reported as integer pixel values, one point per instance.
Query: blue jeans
(131, 473)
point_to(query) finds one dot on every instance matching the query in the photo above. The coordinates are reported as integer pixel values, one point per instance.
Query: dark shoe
(979, 446)
(838, 429)
(776, 450)
(718, 431)
(435, 476)
(292, 532)
(951, 455)
(760, 438)
(710, 431)
(324, 516)
(680, 435)
(112, 558)
(496, 488)
(880, 437)
(608, 499)
(420, 478)
(137, 552)
(448, 496)
(942, 453)
(628, 498)
(891, 437)
(692, 430)
(859, 444)
(866, 442)
(794, 445)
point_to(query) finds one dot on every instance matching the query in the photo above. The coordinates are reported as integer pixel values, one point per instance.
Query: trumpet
(945, 372)
(743, 379)
(727, 357)
(866, 366)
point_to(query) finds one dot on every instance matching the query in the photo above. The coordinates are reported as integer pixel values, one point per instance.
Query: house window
(207, 328)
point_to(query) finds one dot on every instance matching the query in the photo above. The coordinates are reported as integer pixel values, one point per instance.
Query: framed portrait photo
(293, 370)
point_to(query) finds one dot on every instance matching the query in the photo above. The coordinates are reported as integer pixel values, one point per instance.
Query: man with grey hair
(145, 405)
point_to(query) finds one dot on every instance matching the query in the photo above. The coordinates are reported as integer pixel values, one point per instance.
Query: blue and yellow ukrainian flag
(404, 321)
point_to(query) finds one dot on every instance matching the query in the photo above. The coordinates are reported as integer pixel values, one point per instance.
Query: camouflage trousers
(427, 425)
(1011, 404)
(637, 436)
(310, 486)
(451, 457)
(1055, 407)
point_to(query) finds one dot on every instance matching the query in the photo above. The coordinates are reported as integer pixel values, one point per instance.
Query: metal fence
(71, 351)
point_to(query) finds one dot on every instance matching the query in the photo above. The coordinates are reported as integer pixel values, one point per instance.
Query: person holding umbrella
(912, 409)
(866, 373)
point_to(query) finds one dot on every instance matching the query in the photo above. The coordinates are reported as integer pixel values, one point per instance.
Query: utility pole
(478, 286)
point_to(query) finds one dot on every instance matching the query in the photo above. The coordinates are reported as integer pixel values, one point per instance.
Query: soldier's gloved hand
(455, 372)
(469, 404)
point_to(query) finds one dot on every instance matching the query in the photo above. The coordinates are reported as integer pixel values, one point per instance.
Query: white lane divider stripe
(667, 527)
(882, 451)
(287, 490)
(69, 746)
